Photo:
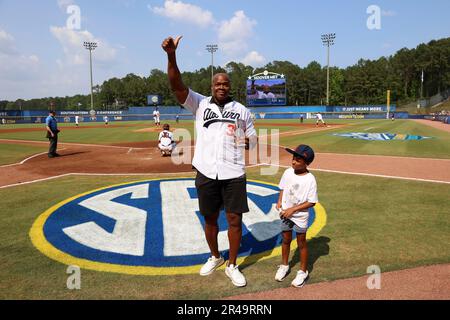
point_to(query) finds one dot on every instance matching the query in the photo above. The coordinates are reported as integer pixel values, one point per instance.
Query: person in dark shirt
(52, 134)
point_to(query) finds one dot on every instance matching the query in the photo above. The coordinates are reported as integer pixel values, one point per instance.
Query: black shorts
(214, 195)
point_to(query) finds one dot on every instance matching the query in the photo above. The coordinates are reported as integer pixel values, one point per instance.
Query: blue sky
(42, 55)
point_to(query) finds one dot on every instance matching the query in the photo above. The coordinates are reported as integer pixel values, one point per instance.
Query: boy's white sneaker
(235, 275)
(212, 264)
(300, 279)
(282, 272)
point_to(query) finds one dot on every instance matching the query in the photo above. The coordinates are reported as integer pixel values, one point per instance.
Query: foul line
(73, 144)
(33, 181)
(362, 174)
(93, 174)
(297, 132)
(25, 160)
(190, 172)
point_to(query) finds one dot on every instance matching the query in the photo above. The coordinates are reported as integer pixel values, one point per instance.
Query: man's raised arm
(176, 83)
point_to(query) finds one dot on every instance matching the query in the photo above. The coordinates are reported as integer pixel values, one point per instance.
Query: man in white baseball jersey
(224, 128)
(77, 120)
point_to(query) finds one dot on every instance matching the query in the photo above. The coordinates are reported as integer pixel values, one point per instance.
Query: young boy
(298, 193)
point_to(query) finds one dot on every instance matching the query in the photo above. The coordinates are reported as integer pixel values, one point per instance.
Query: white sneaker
(212, 264)
(235, 275)
(281, 272)
(300, 279)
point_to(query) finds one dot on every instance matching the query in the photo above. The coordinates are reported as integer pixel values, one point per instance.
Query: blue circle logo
(155, 227)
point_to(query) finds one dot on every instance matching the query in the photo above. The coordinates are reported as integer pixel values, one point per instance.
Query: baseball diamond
(201, 155)
(83, 222)
(136, 213)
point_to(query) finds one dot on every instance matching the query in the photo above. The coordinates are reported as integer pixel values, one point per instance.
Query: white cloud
(254, 59)
(7, 45)
(234, 34)
(184, 12)
(75, 53)
(15, 65)
(71, 73)
(63, 4)
(18, 67)
(18, 73)
(388, 13)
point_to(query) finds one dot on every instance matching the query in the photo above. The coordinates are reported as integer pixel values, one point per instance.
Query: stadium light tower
(328, 40)
(91, 46)
(212, 48)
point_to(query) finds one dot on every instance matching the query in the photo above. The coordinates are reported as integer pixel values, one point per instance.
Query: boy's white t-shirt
(298, 189)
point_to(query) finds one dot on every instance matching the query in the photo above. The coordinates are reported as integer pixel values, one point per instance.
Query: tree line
(363, 83)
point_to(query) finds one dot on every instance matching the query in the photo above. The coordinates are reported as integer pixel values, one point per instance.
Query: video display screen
(266, 92)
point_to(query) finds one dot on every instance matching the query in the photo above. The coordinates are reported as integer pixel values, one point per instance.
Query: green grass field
(321, 141)
(391, 223)
(437, 147)
(10, 153)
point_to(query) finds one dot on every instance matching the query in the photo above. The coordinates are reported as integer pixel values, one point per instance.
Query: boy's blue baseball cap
(303, 151)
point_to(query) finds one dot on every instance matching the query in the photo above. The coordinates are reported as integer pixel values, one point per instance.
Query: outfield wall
(170, 113)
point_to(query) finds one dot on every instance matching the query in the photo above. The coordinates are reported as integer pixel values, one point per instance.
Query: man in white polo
(224, 129)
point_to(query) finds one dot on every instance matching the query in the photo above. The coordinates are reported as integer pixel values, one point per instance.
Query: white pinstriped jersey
(218, 152)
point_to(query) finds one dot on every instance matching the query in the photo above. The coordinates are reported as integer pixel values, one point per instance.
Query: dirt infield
(431, 282)
(143, 157)
(77, 158)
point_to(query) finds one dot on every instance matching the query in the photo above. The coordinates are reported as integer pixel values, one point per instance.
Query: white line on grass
(73, 144)
(364, 174)
(93, 174)
(364, 155)
(33, 181)
(190, 172)
(25, 160)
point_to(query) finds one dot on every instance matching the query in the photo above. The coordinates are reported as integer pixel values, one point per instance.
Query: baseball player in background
(106, 120)
(166, 144)
(156, 117)
(77, 120)
(224, 128)
(319, 118)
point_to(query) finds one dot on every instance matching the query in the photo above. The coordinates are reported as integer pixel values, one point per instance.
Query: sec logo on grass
(154, 227)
